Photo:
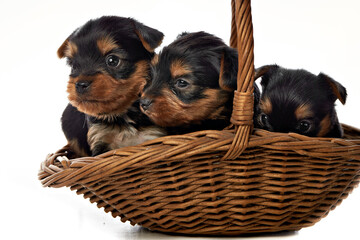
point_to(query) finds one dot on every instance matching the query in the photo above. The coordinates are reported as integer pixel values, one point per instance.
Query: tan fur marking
(107, 96)
(178, 68)
(61, 50)
(71, 50)
(99, 133)
(325, 125)
(335, 90)
(67, 49)
(303, 111)
(119, 136)
(168, 110)
(221, 76)
(145, 43)
(266, 105)
(155, 59)
(79, 152)
(106, 44)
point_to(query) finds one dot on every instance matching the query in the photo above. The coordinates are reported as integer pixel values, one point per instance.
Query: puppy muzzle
(145, 103)
(82, 86)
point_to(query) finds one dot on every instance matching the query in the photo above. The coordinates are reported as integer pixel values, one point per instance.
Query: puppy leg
(73, 124)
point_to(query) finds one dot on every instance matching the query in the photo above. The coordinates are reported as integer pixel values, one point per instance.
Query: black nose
(82, 86)
(145, 103)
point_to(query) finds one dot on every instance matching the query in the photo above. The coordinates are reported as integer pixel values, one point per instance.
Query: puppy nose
(145, 103)
(82, 86)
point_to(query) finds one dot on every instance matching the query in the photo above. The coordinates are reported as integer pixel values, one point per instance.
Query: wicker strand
(243, 110)
(233, 36)
(243, 107)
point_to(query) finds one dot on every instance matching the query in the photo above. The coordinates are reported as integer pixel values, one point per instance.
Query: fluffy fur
(193, 80)
(110, 64)
(299, 101)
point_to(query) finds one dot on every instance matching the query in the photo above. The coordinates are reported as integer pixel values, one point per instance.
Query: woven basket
(230, 182)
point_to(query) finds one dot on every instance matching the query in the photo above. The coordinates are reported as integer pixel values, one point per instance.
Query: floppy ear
(62, 51)
(228, 69)
(67, 49)
(62, 48)
(149, 37)
(265, 72)
(337, 90)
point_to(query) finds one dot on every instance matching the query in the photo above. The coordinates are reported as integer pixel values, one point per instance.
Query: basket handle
(243, 110)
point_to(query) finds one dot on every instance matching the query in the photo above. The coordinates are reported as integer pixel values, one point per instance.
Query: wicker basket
(230, 182)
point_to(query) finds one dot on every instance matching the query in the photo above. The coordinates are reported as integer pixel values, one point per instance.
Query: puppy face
(192, 80)
(298, 101)
(109, 59)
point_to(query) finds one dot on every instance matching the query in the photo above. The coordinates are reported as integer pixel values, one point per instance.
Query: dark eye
(264, 119)
(112, 61)
(181, 83)
(304, 126)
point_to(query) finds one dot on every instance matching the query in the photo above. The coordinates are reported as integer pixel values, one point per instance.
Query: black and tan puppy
(299, 101)
(110, 63)
(193, 80)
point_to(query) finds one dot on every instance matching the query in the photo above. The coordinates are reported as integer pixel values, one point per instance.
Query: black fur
(288, 90)
(89, 60)
(137, 43)
(74, 126)
(202, 54)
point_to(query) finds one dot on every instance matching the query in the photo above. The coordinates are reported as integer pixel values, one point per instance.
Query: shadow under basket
(229, 182)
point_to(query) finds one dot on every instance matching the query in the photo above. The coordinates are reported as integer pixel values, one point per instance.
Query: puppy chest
(122, 136)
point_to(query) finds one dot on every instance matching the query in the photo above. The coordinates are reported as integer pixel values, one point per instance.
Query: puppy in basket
(110, 64)
(299, 101)
(193, 83)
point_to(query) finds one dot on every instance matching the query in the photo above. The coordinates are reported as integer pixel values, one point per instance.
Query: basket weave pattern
(218, 182)
(180, 184)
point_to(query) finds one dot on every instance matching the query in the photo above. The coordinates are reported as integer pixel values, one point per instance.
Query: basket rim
(172, 147)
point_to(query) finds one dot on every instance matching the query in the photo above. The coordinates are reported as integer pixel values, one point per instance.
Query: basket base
(281, 182)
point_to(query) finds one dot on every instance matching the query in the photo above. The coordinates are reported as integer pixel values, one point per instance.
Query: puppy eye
(181, 83)
(304, 126)
(264, 119)
(112, 61)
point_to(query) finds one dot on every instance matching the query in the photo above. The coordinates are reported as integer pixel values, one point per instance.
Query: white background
(318, 35)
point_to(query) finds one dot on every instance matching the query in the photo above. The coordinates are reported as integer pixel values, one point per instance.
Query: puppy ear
(62, 51)
(149, 37)
(338, 91)
(265, 72)
(228, 69)
(67, 49)
(62, 48)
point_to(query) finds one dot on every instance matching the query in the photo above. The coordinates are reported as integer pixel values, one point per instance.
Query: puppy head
(109, 59)
(192, 80)
(298, 101)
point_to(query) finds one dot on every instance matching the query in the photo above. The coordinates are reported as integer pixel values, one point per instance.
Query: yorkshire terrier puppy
(193, 83)
(110, 64)
(299, 101)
